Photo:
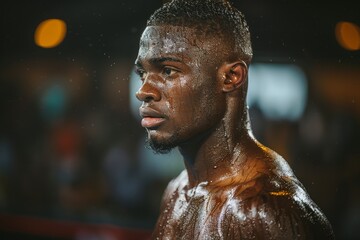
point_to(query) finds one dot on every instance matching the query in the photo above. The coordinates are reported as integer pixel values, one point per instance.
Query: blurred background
(72, 159)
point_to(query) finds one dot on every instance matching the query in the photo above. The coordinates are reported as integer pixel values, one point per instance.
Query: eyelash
(172, 71)
(141, 72)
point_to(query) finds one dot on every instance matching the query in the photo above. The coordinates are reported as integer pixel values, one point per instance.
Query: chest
(192, 215)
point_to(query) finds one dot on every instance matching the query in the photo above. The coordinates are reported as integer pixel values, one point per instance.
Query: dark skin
(233, 187)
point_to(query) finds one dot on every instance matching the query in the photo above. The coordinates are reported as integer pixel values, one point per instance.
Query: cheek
(210, 105)
(182, 101)
(195, 104)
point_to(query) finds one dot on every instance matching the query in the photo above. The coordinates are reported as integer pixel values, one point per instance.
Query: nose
(148, 92)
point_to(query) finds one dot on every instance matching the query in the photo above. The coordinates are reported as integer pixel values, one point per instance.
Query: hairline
(211, 38)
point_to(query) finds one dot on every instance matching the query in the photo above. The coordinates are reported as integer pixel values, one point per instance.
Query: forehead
(172, 40)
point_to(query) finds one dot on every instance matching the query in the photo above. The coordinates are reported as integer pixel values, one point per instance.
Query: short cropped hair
(209, 17)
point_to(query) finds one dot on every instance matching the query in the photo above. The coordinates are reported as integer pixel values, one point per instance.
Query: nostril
(141, 96)
(148, 93)
(148, 99)
(145, 96)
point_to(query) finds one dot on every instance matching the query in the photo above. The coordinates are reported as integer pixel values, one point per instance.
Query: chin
(161, 144)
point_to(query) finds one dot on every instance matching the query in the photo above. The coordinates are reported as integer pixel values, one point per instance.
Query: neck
(215, 154)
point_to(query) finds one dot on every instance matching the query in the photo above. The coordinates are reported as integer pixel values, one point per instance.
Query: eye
(168, 72)
(141, 73)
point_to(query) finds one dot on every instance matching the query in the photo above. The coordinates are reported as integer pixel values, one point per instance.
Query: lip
(151, 118)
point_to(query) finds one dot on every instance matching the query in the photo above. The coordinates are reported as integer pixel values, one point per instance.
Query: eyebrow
(158, 60)
(165, 59)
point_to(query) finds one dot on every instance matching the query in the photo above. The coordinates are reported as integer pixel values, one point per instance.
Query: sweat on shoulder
(193, 62)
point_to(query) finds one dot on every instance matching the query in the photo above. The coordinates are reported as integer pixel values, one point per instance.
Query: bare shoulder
(274, 205)
(175, 186)
(262, 200)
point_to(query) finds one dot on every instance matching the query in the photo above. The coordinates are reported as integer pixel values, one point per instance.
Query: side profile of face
(181, 96)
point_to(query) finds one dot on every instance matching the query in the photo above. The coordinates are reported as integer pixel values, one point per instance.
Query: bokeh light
(348, 35)
(50, 33)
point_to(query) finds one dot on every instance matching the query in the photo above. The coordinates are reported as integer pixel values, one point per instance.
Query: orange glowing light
(50, 33)
(348, 35)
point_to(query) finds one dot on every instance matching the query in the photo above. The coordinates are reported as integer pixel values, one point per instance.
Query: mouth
(151, 118)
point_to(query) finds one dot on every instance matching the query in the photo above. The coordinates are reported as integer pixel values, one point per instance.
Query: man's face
(181, 96)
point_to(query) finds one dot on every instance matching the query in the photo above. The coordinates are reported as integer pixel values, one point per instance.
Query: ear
(232, 75)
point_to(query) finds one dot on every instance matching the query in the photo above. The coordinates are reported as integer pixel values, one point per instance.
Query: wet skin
(233, 187)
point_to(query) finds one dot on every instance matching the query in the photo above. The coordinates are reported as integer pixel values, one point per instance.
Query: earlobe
(233, 75)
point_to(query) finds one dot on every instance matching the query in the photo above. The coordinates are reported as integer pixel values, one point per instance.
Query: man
(193, 63)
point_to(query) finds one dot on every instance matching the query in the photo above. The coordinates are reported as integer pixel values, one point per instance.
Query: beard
(163, 147)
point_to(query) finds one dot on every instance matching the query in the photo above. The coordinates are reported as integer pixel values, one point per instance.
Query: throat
(210, 159)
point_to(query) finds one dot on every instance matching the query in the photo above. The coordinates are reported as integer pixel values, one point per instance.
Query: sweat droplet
(215, 167)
